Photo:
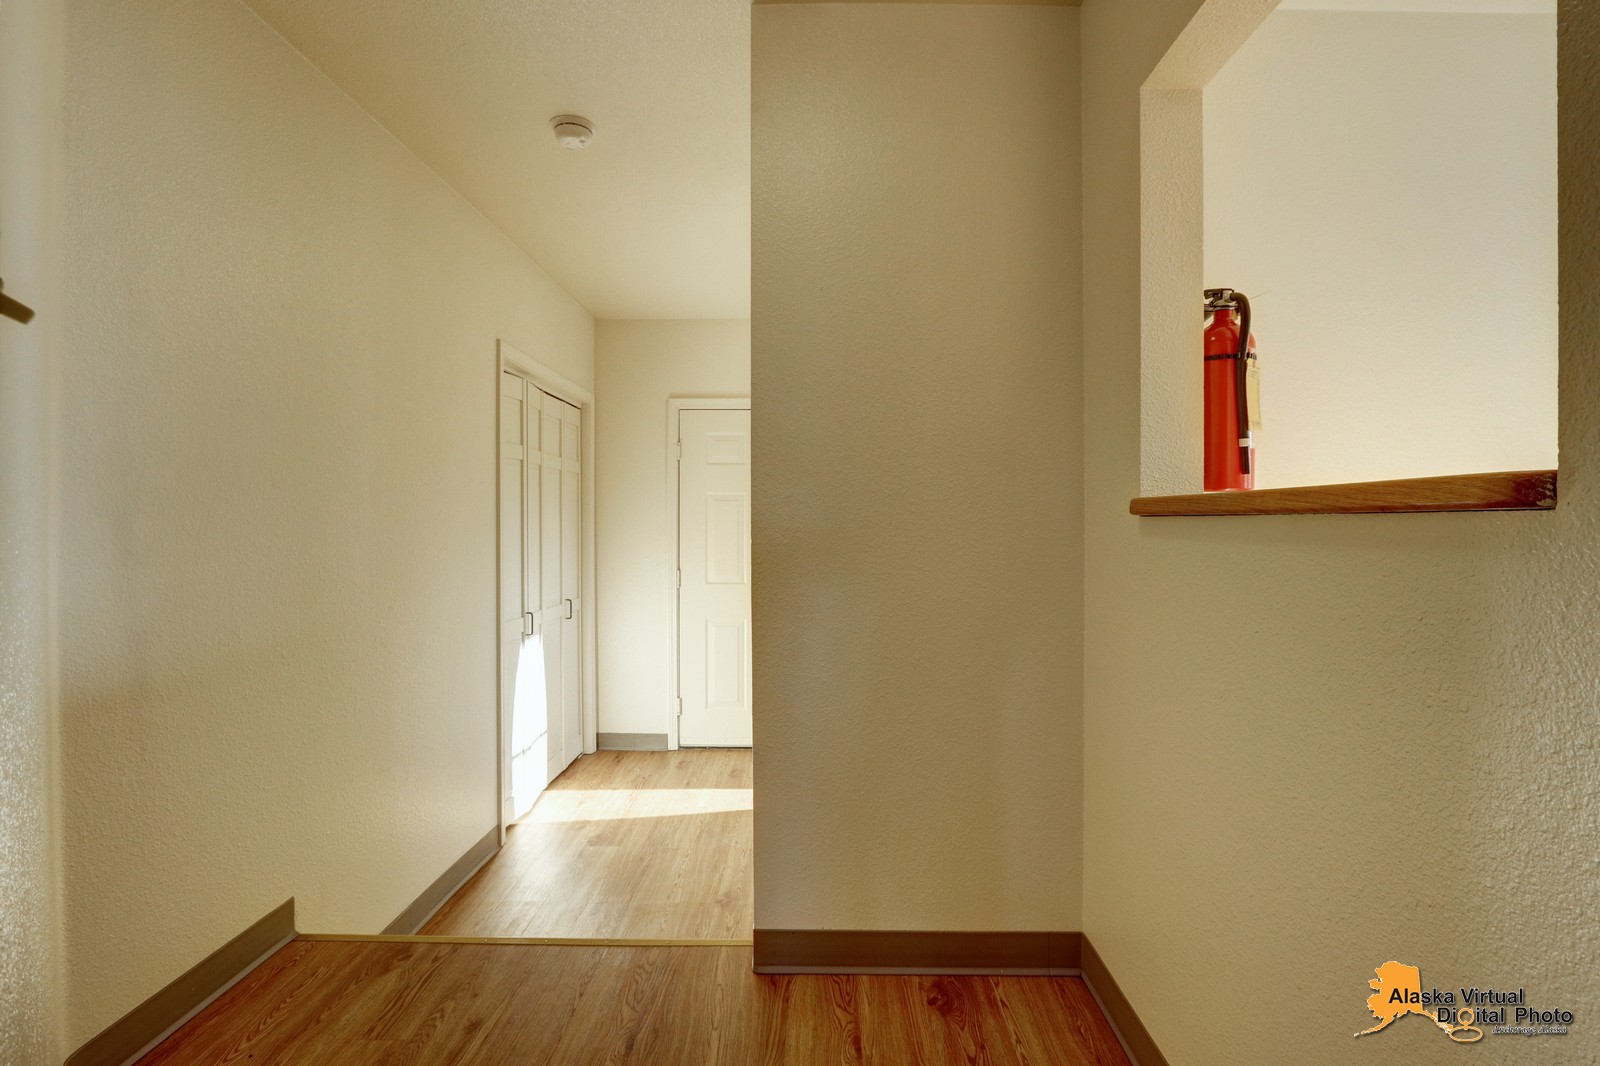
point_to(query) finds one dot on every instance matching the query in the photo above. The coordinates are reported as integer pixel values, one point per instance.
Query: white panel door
(714, 574)
(559, 524)
(571, 718)
(521, 666)
(541, 527)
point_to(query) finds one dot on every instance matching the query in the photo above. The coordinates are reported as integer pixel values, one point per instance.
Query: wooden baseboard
(527, 941)
(130, 1037)
(904, 952)
(1119, 1012)
(436, 895)
(631, 741)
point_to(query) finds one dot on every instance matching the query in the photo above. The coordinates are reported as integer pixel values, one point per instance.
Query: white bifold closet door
(559, 526)
(541, 478)
(516, 618)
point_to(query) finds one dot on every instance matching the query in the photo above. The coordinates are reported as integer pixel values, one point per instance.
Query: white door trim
(675, 405)
(560, 387)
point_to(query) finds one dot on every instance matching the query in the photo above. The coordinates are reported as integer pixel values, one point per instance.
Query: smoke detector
(572, 131)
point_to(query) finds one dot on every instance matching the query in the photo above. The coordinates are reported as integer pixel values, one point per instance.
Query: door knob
(569, 608)
(527, 624)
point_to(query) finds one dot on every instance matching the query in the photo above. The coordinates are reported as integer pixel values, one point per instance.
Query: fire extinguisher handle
(1240, 383)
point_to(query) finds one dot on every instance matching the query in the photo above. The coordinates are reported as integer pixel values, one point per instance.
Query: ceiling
(652, 220)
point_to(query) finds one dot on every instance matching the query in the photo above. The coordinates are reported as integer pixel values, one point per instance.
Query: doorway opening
(653, 841)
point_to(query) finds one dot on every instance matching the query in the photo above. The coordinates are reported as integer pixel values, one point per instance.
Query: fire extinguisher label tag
(1252, 392)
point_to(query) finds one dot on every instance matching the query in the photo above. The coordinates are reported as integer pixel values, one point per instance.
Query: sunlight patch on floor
(605, 805)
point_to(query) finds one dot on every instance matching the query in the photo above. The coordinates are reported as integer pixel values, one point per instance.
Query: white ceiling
(652, 220)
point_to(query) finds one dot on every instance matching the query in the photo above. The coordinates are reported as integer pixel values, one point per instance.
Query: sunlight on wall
(1383, 185)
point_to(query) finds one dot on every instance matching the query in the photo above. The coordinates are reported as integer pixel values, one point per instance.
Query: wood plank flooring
(625, 844)
(359, 1003)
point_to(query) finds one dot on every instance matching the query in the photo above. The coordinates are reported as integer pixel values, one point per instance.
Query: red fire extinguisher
(1232, 412)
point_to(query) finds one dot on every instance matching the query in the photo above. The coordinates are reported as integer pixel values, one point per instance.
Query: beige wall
(30, 141)
(916, 466)
(1313, 745)
(278, 498)
(638, 366)
(1385, 184)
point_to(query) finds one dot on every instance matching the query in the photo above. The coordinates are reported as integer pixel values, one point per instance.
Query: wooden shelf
(1510, 490)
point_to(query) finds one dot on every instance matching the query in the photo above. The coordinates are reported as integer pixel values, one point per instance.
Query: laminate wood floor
(625, 844)
(359, 1003)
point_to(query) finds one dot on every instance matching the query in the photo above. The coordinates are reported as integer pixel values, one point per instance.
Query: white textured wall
(30, 139)
(1386, 182)
(638, 366)
(916, 466)
(1316, 744)
(278, 498)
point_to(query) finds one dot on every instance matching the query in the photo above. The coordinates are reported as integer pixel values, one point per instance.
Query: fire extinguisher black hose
(1240, 386)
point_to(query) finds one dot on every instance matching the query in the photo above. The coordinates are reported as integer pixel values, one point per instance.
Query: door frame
(675, 405)
(525, 366)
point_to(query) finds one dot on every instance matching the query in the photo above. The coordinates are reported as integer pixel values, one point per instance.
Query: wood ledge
(1508, 490)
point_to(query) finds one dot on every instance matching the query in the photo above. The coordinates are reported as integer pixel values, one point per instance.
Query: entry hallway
(624, 844)
(353, 1003)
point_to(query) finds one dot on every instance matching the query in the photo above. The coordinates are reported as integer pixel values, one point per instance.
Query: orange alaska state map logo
(1398, 992)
